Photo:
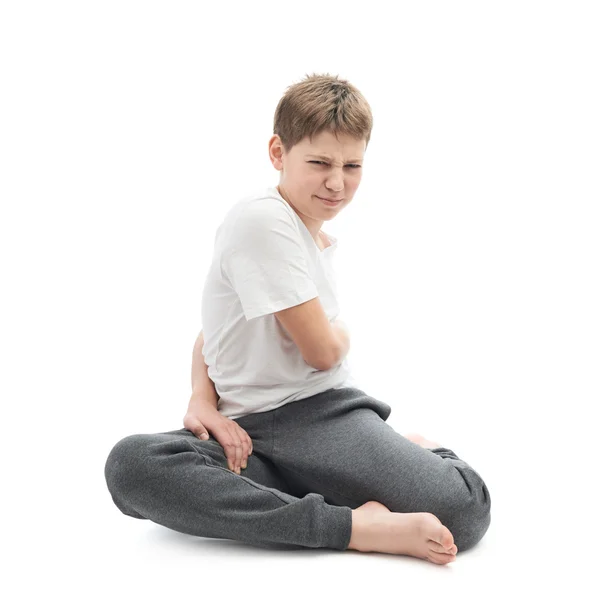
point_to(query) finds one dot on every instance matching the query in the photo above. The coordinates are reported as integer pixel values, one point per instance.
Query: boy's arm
(203, 388)
(343, 335)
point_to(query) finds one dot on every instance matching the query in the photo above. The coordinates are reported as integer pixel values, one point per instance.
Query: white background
(468, 270)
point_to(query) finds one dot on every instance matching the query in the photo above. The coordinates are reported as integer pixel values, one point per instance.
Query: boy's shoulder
(263, 206)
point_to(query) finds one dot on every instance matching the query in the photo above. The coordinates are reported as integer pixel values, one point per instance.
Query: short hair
(322, 103)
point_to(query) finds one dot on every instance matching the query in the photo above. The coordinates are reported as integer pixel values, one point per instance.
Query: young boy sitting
(272, 392)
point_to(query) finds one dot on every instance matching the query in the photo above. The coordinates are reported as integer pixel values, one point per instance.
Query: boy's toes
(440, 558)
(436, 547)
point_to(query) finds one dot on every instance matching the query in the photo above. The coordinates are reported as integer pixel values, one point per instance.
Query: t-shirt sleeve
(267, 262)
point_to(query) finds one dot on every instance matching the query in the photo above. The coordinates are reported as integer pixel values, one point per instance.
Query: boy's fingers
(250, 449)
(238, 454)
(237, 458)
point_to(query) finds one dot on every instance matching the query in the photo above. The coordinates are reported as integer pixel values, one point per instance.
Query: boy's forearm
(203, 387)
(343, 336)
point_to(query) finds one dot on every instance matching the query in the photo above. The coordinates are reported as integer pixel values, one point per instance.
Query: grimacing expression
(328, 168)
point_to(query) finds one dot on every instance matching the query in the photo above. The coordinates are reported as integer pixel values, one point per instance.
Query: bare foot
(417, 438)
(372, 505)
(376, 529)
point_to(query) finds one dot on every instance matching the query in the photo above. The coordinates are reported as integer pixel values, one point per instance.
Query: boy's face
(305, 177)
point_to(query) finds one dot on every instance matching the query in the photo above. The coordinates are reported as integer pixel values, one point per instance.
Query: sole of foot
(376, 529)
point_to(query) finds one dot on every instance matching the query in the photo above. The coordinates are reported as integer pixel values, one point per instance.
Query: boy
(270, 382)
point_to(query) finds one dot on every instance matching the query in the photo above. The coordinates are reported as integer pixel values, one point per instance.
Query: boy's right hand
(237, 445)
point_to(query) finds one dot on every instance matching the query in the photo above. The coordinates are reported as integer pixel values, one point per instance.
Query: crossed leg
(409, 495)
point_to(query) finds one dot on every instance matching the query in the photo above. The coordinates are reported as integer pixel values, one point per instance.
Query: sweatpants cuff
(337, 527)
(444, 452)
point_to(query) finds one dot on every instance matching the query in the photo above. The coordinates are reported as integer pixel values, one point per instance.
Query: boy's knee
(123, 469)
(468, 532)
(470, 521)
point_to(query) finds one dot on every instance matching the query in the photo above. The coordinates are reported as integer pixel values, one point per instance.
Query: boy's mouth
(329, 202)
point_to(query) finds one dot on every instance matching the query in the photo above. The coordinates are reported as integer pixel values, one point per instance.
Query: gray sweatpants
(313, 461)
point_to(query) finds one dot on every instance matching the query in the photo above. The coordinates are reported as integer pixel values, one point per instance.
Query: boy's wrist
(204, 397)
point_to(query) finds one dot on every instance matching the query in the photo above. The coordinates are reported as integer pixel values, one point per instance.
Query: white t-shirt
(265, 260)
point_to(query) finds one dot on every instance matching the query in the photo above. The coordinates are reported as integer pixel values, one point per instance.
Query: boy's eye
(320, 162)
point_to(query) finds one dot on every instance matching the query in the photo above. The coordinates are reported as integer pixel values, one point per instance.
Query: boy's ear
(276, 152)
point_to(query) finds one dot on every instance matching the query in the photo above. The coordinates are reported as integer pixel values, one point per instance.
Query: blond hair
(322, 103)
